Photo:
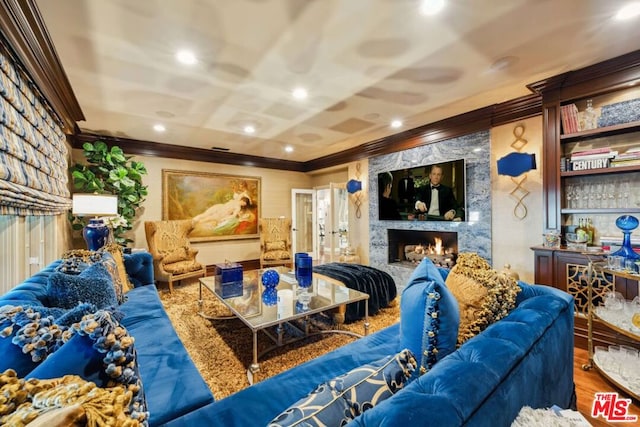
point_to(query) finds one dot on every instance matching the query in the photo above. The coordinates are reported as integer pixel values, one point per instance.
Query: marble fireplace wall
(474, 235)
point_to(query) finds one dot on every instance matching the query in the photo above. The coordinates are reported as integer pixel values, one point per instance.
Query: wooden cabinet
(558, 267)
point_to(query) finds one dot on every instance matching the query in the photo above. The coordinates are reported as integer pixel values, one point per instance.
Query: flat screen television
(413, 184)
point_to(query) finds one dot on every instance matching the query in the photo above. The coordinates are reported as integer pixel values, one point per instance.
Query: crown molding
(609, 75)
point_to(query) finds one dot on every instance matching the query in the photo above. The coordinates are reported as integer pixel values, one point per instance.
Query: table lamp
(96, 232)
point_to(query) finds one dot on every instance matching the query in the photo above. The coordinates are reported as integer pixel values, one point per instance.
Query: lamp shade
(94, 204)
(354, 186)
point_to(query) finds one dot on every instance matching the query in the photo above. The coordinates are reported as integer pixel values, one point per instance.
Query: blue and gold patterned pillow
(343, 398)
(429, 316)
(76, 261)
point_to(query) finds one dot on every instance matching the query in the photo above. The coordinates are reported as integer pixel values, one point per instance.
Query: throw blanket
(378, 284)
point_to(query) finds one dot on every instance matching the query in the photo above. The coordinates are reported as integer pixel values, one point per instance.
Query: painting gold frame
(223, 207)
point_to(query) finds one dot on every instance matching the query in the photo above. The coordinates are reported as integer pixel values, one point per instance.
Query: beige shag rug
(222, 349)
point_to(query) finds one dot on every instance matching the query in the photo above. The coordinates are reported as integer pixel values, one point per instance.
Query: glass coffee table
(323, 295)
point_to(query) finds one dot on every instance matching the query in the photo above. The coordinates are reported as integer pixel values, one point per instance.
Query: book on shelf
(588, 164)
(600, 150)
(569, 118)
(607, 155)
(628, 156)
(622, 163)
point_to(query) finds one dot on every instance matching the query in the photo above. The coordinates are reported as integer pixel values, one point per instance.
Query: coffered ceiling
(363, 63)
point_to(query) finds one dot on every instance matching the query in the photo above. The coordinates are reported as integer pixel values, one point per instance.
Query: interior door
(304, 221)
(333, 221)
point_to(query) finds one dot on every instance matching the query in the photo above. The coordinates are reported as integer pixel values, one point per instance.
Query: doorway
(333, 221)
(321, 221)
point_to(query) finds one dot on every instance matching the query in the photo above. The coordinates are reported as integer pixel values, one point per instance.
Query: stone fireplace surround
(473, 235)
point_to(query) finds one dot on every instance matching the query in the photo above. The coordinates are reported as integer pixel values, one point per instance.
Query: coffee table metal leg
(255, 367)
(366, 318)
(280, 332)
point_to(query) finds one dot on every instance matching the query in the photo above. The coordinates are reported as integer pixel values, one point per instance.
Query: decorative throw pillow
(68, 401)
(275, 255)
(484, 295)
(343, 398)
(77, 260)
(176, 255)
(116, 252)
(94, 285)
(429, 316)
(276, 246)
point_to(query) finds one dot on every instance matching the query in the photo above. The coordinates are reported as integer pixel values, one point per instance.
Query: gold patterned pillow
(279, 245)
(176, 255)
(117, 252)
(276, 255)
(484, 295)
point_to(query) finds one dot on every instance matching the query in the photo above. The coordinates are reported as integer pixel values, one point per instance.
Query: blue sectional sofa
(171, 383)
(525, 359)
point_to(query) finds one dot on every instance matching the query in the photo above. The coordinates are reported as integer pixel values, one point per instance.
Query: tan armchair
(173, 257)
(275, 242)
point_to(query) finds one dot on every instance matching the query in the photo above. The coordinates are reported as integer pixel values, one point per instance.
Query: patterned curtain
(33, 153)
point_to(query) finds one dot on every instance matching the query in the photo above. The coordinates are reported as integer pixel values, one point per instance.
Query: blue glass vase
(270, 280)
(627, 223)
(304, 271)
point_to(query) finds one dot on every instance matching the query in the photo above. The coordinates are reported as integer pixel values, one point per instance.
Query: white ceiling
(363, 62)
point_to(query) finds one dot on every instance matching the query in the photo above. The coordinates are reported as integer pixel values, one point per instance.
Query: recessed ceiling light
(186, 57)
(249, 129)
(396, 124)
(629, 11)
(159, 128)
(431, 7)
(288, 149)
(299, 93)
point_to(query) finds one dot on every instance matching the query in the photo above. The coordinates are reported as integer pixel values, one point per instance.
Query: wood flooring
(588, 383)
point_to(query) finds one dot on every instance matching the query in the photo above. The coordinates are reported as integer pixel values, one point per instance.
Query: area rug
(222, 349)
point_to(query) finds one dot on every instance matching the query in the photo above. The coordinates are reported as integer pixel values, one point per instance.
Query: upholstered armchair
(275, 242)
(173, 257)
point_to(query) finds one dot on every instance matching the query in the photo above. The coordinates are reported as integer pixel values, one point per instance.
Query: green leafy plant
(110, 171)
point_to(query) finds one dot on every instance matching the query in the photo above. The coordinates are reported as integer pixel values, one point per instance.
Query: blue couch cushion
(178, 387)
(343, 398)
(93, 285)
(429, 316)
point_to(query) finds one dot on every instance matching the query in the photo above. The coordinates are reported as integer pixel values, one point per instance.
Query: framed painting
(223, 207)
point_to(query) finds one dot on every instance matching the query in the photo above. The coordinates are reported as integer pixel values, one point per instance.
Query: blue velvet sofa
(171, 383)
(525, 359)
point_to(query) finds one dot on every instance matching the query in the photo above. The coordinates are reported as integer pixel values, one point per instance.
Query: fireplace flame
(438, 247)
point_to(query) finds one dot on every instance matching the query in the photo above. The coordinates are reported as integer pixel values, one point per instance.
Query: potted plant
(110, 171)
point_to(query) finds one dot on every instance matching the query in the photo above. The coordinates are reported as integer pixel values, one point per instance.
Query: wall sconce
(96, 232)
(515, 164)
(354, 187)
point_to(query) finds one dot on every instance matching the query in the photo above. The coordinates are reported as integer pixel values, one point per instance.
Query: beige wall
(276, 201)
(512, 237)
